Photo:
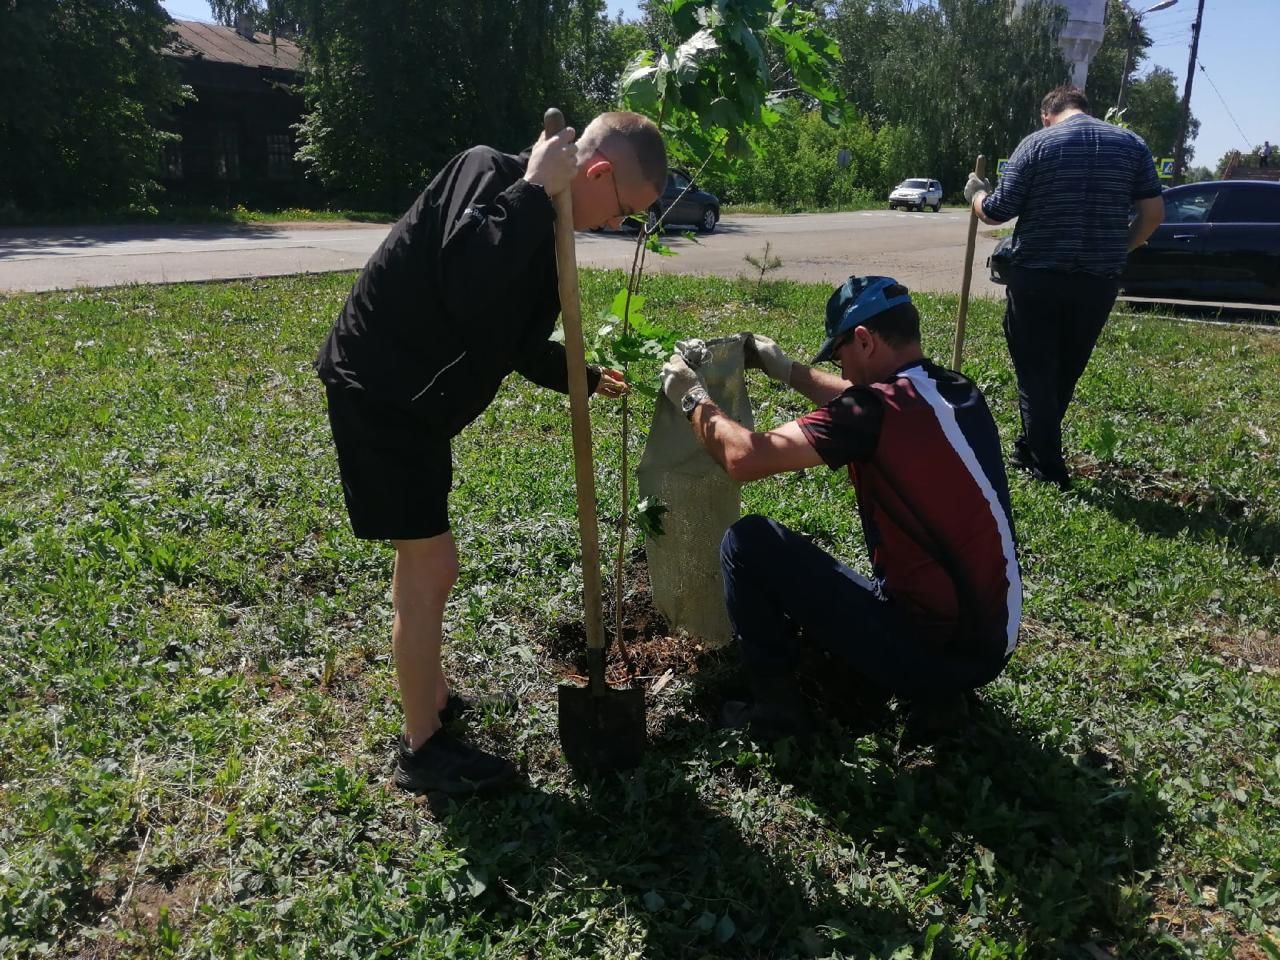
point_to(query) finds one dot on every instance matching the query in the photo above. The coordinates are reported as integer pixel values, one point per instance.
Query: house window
(171, 161)
(279, 156)
(226, 160)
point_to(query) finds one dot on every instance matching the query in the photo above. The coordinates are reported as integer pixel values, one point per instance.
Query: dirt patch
(1259, 650)
(1165, 486)
(651, 648)
(151, 900)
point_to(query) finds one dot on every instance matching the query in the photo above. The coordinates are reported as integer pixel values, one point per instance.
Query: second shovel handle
(957, 348)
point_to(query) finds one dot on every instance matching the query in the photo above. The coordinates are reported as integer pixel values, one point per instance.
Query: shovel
(957, 349)
(600, 728)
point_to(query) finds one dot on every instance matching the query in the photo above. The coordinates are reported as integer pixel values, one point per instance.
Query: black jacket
(461, 293)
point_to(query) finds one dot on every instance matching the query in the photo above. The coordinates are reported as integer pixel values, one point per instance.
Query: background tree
(1103, 86)
(1153, 107)
(83, 88)
(963, 76)
(285, 18)
(398, 86)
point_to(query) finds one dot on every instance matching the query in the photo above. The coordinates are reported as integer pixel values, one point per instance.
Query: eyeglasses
(623, 211)
(839, 345)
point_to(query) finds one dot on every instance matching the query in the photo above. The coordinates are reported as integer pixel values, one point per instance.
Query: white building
(1082, 35)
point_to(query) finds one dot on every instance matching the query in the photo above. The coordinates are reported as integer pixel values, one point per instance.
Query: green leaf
(648, 513)
(655, 245)
(619, 307)
(638, 87)
(691, 54)
(725, 929)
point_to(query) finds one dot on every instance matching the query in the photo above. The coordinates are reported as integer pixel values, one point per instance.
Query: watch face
(691, 400)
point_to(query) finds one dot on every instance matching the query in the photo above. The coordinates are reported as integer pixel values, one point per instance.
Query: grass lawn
(197, 701)
(193, 213)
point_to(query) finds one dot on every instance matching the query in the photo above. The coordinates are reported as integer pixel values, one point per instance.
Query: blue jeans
(776, 581)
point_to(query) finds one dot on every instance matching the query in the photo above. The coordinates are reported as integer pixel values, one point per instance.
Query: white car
(916, 193)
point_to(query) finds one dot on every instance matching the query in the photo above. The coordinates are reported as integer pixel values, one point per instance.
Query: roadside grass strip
(197, 699)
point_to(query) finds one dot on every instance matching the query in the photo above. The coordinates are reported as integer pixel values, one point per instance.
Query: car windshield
(914, 185)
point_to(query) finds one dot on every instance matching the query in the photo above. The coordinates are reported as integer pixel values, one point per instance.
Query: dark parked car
(696, 207)
(1220, 240)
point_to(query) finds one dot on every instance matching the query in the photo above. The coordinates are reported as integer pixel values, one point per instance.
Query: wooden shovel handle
(957, 348)
(579, 412)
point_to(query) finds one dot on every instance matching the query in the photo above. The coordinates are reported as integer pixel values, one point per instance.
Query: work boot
(778, 711)
(445, 765)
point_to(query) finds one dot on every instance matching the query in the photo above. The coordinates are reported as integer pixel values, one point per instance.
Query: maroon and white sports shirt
(923, 454)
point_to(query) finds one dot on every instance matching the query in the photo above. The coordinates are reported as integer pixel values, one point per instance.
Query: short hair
(898, 326)
(641, 136)
(1065, 97)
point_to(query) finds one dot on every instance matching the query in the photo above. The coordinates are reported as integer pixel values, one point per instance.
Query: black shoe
(779, 710)
(764, 722)
(446, 765)
(1021, 459)
(935, 719)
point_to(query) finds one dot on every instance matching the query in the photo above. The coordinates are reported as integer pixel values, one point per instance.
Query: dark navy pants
(1051, 322)
(777, 582)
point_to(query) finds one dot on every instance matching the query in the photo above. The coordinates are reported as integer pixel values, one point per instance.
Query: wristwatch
(689, 402)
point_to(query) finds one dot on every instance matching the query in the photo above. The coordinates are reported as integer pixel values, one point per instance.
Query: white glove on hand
(973, 185)
(678, 378)
(769, 358)
(695, 352)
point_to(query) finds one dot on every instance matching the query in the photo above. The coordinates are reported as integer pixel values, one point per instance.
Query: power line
(1246, 140)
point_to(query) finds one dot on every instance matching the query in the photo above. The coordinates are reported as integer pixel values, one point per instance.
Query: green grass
(197, 700)
(189, 213)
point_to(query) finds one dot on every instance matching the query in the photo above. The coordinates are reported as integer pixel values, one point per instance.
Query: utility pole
(1132, 41)
(1128, 57)
(1180, 145)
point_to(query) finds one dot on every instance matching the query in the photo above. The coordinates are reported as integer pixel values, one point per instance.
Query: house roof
(211, 42)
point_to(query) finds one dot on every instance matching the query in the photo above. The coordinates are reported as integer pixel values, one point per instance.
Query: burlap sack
(702, 502)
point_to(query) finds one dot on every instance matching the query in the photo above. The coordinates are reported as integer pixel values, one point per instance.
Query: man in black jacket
(461, 293)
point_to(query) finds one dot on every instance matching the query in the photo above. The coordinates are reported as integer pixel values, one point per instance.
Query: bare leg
(425, 572)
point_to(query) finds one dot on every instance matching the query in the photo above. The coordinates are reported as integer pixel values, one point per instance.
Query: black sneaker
(938, 718)
(1022, 459)
(446, 765)
(765, 722)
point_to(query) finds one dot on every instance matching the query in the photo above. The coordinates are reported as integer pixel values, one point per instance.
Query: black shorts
(395, 475)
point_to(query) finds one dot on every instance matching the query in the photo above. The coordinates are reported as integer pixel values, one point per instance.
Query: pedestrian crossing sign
(1164, 169)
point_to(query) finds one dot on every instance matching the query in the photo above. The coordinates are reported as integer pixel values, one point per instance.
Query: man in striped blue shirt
(1071, 186)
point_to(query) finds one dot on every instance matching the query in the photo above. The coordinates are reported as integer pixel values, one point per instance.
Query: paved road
(923, 250)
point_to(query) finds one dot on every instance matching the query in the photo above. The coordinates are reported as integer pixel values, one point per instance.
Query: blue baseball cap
(855, 302)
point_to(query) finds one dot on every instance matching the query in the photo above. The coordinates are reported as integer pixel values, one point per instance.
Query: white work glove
(678, 378)
(553, 163)
(695, 352)
(975, 184)
(764, 354)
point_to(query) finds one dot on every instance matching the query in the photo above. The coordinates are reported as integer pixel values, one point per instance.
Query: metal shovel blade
(602, 730)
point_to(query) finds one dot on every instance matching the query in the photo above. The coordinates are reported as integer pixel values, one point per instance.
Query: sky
(1237, 52)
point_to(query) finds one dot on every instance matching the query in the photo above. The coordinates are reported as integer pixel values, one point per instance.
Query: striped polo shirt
(923, 454)
(1071, 186)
